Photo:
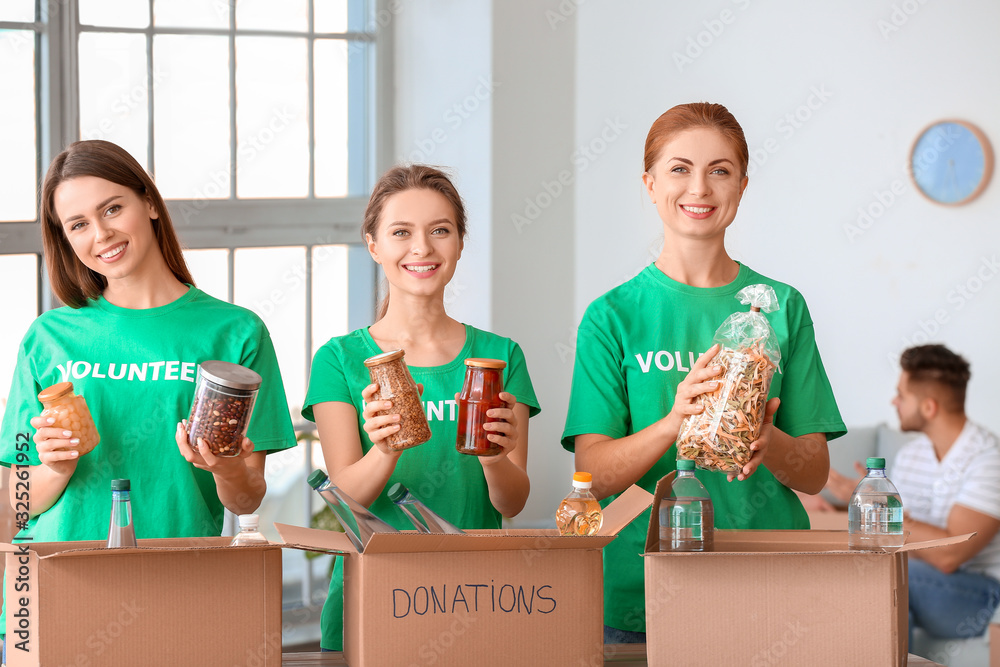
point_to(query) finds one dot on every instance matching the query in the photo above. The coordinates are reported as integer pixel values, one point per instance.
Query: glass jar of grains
(389, 372)
(71, 414)
(223, 402)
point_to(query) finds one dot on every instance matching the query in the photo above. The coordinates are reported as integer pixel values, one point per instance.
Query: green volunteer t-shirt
(635, 344)
(137, 370)
(451, 484)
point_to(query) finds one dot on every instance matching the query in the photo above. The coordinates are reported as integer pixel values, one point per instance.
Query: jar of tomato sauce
(480, 393)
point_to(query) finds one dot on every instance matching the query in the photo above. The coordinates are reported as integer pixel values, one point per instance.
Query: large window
(263, 124)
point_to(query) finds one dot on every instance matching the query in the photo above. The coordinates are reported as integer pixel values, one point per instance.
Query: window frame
(232, 223)
(225, 223)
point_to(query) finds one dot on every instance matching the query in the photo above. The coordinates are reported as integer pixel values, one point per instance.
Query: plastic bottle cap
(685, 464)
(582, 480)
(316, 478)
(875, 462)
(249, 520)
(120, 485)
(397, 491)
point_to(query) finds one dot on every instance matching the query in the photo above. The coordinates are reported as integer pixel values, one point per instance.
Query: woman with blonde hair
(415, 227)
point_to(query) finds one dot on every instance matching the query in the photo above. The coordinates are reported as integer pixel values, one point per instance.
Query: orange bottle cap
(55, 391)
(582, 477)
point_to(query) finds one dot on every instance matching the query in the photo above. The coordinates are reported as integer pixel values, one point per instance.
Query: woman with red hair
(640, 368)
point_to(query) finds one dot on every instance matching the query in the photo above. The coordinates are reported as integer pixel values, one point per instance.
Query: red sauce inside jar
(480, 393)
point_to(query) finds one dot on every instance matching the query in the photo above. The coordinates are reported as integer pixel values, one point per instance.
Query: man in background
(949, 481)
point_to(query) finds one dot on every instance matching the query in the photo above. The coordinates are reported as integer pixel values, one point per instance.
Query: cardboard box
(776, 597)
(512, 597)
(994, 645)
(828, 520)
(193, 601)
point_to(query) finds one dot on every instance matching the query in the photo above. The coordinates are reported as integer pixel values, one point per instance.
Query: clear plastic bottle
(121, 532)
(687, 517)
(249, 533)
(875, 513)
(358, 521)
(579, 512)
(422, 517)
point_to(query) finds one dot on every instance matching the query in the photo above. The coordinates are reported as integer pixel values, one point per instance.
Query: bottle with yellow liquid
(579, 513)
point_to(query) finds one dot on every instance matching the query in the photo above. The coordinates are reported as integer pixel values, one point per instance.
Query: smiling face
(696, 184)
(108, 226)
(417, 243)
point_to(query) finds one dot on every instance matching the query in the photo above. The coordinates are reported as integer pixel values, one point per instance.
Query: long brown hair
(688, 116)
(409, 177)
(71, 280)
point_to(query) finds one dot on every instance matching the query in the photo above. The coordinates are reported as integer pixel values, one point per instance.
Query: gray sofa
(862, 442)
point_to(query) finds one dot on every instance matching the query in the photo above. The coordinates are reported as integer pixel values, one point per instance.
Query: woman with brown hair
(415, 228)
(130, 339)
(638, 372)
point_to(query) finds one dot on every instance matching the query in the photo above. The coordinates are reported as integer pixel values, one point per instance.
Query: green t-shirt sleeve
(807, 401)
(327, 381)
(22, 406)
(518, 382)
(271, 424)
(598, 400)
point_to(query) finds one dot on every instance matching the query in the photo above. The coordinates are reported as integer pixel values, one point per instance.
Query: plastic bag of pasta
(719, 437)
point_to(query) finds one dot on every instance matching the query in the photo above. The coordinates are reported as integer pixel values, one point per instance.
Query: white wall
(443, 109)
(515, 136)
(580, 84)
(874, 89)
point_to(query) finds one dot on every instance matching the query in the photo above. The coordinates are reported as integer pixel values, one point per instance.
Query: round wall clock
(951, 162)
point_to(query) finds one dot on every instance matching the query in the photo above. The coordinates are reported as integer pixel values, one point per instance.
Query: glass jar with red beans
(223, 402)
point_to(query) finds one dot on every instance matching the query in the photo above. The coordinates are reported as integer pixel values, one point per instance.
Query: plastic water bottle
(579, 512)
(422, 517)
(249, 533)
(121, 532)
(358, 521)
(687, 517)
(875, 514)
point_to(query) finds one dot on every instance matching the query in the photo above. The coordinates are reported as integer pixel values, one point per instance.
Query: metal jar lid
(57, 390)
(383, 358)
(486, 363)
(230, 375)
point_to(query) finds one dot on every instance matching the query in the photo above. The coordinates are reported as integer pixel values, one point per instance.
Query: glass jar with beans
(389, 372)
(71, 413)
(224, 396)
